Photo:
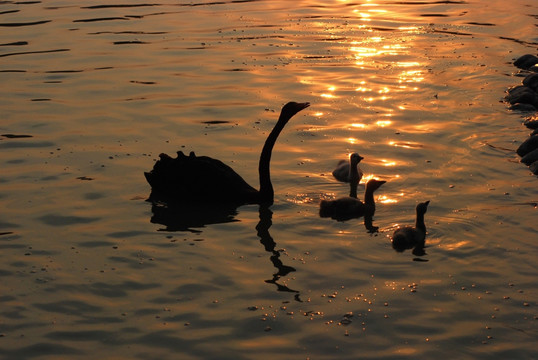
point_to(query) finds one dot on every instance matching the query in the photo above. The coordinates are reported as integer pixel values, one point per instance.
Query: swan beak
(303, 106)
(293, 108)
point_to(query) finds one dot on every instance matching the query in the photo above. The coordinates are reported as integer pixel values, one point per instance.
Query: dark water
(93, 92)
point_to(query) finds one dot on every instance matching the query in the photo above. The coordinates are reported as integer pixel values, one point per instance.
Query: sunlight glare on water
(93, 92)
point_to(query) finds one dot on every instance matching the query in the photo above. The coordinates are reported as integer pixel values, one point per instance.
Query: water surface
(94, 91)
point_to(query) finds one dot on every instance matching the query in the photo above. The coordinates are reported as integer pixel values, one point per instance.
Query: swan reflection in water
(178, 217)
(269, 244)
(181, 217)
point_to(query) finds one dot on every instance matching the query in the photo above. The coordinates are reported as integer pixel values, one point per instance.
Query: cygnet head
(374, 184)
(422, 207)
(355, 159)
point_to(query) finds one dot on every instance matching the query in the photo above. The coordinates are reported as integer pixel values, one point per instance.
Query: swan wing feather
(197, 178)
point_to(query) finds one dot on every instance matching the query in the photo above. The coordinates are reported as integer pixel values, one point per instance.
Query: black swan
(203, 179)
(350, 207)
(409, 237)
(342, 171)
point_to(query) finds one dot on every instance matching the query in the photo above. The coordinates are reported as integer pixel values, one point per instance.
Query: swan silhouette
(409, 237)
(345, 168)
(203, 179)
(350, 207)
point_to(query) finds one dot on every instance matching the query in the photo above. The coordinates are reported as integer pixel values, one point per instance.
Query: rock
(534, 167)
(526, 61)
(522, 107)
(528, 145)
(531, 81)
(523, 95)
(531, 122)
(530, 157)
(524, 98)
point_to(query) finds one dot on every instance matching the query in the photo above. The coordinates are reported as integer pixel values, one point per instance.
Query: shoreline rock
(526, 62)
(530, 158)
(524, 98)
(528, 145)
(531, 122)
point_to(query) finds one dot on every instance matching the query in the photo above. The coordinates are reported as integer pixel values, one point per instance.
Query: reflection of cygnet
(350, 207)
(409, 237)
(342, 171)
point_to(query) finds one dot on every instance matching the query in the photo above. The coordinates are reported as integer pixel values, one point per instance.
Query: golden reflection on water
(406, 145)
(373, 50)
(361, 88)
(302, 199)
(329, 94)
(383, 123)
(366, 178)
(352, 141)
(385, 199)
(456, 245)
(385, 162)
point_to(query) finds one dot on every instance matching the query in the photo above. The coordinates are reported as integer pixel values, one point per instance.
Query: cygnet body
(409, 237)
(345, 169)
(350, 207)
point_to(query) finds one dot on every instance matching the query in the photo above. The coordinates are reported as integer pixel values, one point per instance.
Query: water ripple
(25, 23)
(34, 52)
(118, 6)
(42, 349)
(17, 43)
(62, 220)
(100, 19)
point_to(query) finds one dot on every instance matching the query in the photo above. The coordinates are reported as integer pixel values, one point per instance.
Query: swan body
(345, 169)
(409, 237)
(204, 179)
(350, 207)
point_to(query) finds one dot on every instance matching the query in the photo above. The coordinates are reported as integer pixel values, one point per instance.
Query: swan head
(355, 159)
(422, 207)
(293, 108)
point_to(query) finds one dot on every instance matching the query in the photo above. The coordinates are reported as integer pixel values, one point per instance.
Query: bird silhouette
(345, 168)
(350, 207)
(203, 179)
(409, 237)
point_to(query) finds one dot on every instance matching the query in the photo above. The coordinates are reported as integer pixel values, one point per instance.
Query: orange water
(414, 87)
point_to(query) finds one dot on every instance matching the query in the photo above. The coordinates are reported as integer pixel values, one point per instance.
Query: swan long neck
(266, 187)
